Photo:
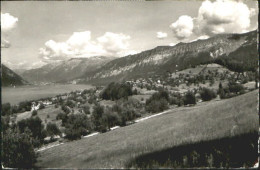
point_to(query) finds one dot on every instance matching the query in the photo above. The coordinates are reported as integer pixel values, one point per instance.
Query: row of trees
(161, 100)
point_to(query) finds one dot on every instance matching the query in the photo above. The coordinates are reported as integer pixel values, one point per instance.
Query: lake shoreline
(34, 92)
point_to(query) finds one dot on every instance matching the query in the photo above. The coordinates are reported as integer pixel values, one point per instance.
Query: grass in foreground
(182, 126)
(239, 151)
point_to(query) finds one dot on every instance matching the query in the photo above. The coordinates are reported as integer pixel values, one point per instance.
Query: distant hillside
(10, 78)
(65, 70)
(234, 48)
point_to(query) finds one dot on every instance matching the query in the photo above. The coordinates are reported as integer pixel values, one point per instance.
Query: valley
(127, 110)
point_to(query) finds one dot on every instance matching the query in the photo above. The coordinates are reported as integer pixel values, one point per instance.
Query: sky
(34, 33)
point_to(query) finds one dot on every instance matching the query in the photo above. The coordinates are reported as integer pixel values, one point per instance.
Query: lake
(33, 92)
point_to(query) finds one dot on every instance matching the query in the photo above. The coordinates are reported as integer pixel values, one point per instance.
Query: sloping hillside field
(196, 136)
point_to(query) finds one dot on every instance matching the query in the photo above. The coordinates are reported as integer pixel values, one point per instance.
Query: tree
(207, 94)
(157, 105)
(18, 150)
(76, 126)
(98, 111)
(157, 96)
(63, 117)
(70, 103)
(65, 109)
(24, 106)
(34, 124)
(115, 91)
(189, 98)
(220, 86)
(52, 129)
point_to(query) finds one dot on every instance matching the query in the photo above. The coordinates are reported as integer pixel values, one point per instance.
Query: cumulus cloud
(8, 22)
(220, 16)
(80, 44)
(183, 27)
(161, 35)
(224, 16)
(113, 43)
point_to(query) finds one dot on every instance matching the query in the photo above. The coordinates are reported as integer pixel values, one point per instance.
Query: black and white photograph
(130, 84)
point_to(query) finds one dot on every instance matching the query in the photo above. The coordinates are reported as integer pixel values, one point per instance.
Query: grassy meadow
(31, 92)
(124, 147)
(47, 115)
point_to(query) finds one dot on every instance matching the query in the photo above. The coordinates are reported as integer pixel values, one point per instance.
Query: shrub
(189, 98)
(173, 101)
(157, 96)
(235, 87)
(180, 102)
(207, 94)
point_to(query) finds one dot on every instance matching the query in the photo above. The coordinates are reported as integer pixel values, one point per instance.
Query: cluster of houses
(146, 82)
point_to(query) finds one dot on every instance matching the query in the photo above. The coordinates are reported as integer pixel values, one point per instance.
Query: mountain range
(65, 70)
(227, 50)
(230, 50)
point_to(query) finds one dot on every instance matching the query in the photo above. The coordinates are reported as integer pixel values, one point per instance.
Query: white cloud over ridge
(79, 44)
(224, 16)
(8, 22)
(172, 44)
(220, 16)
(161, 35)
(183, 27)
